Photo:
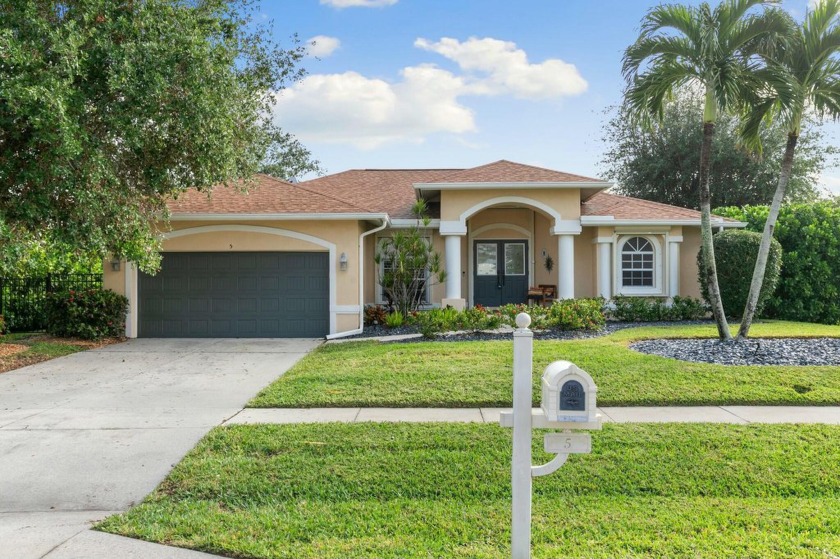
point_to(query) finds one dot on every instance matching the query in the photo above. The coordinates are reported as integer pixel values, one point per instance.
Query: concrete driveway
(92, 433)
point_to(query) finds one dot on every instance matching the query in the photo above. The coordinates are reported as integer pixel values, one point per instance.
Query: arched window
(638, 263)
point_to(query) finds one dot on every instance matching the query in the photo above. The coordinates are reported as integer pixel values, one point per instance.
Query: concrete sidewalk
(697, 414)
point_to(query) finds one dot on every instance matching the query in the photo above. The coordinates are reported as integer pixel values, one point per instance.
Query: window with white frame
(384, 266)
(639, 265)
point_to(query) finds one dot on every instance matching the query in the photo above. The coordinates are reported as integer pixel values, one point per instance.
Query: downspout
(385, 222)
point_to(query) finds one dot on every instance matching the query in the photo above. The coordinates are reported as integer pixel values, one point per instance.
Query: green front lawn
(437, 490)
(471, 374)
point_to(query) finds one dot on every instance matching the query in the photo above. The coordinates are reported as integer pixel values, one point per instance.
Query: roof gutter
(274, 216)
(385, 222)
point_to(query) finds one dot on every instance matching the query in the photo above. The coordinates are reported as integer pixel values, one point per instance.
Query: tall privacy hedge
(735, 255)
(809, 285)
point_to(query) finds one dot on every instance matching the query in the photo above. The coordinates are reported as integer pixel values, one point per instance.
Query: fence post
(523, 359)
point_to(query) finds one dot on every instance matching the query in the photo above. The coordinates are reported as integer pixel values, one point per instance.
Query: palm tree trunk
(707, 245)
(767, 237)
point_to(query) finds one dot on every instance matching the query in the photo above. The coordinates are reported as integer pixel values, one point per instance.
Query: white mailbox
(568, 393)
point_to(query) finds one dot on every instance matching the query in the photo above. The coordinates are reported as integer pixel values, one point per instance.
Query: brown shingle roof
(508, 171)
(385, 190)
(625, 207)
(265, 195)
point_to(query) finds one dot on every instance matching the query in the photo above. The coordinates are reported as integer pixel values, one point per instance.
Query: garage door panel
(273, 294)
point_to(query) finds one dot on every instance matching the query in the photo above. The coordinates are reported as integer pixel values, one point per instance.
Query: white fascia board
(275, 217)
(607, 220)
(407, 223)
(508, 185)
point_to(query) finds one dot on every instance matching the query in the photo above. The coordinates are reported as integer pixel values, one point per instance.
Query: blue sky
(459, 83)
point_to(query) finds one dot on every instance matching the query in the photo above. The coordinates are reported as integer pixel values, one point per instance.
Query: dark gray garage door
(236, 295)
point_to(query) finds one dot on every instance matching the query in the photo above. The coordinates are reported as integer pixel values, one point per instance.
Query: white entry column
(674, 266)
(566, 266)
(605, 267)
(452, 258)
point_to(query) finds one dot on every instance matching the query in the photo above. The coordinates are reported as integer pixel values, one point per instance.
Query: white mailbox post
(568, 402)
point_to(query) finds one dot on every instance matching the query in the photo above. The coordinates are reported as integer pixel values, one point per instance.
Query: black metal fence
(22, 300)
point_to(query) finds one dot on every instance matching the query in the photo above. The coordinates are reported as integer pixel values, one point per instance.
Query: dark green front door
(500, 275)
(236, 295)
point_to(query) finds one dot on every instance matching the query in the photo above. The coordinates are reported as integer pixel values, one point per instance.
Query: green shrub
(735, 254)
(90, 314)
(640, 309)
(576, 314)
(435, 321)
(809, 285)
(394, 319)
(374, 314)
(637, 309)
(687, 308)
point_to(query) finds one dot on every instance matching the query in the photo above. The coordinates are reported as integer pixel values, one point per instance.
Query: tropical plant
(803, 75)
(710, 48)
(409, 263)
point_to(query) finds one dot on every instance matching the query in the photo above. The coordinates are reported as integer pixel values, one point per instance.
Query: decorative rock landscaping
(762, 351)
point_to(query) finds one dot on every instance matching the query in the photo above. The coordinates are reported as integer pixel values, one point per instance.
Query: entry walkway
(694, 414)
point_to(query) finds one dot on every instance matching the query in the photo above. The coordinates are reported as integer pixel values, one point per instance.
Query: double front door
(501, 272)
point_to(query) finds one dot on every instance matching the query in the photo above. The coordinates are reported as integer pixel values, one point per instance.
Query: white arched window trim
(658, 262)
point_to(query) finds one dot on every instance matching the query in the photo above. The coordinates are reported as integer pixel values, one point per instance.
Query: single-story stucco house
(297, 260)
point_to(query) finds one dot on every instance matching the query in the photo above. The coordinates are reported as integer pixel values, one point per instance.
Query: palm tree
(804, 74)
(710, 48)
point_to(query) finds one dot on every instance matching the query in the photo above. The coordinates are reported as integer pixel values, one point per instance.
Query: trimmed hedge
(809, 284)
(639, 309)
(89, 314)
(735, 254)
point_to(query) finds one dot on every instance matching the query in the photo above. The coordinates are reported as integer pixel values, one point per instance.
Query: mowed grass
(443, 490)
(472, 374)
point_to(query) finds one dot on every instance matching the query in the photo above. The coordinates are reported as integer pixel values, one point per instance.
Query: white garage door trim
(131, 271)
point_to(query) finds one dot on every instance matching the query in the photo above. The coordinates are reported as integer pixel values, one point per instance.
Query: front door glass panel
(514, 259)
(486, 259)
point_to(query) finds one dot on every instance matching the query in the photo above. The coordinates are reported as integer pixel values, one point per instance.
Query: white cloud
(322, 46)
(367, 112)
(359, 3)
(500, 67)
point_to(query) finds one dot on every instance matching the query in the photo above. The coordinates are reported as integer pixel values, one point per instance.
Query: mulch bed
(14, 355)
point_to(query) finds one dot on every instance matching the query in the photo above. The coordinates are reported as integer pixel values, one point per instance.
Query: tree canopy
(108, 108)
(662, 162)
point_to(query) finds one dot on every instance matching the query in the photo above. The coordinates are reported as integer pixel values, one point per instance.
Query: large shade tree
(110, 107)
(712, 47)
(803, 75)
(662, 163)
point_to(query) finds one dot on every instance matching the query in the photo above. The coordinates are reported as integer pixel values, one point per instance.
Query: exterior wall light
(342, 261)
(115, 264)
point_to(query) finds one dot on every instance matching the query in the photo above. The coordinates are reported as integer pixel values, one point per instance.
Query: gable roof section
(620, 207)
(265, 195)
(504, 171)
(385, 190)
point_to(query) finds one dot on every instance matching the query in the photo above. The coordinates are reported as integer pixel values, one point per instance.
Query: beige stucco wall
(115, 281)
(455, 202)
(688, 262)
(344, 234)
